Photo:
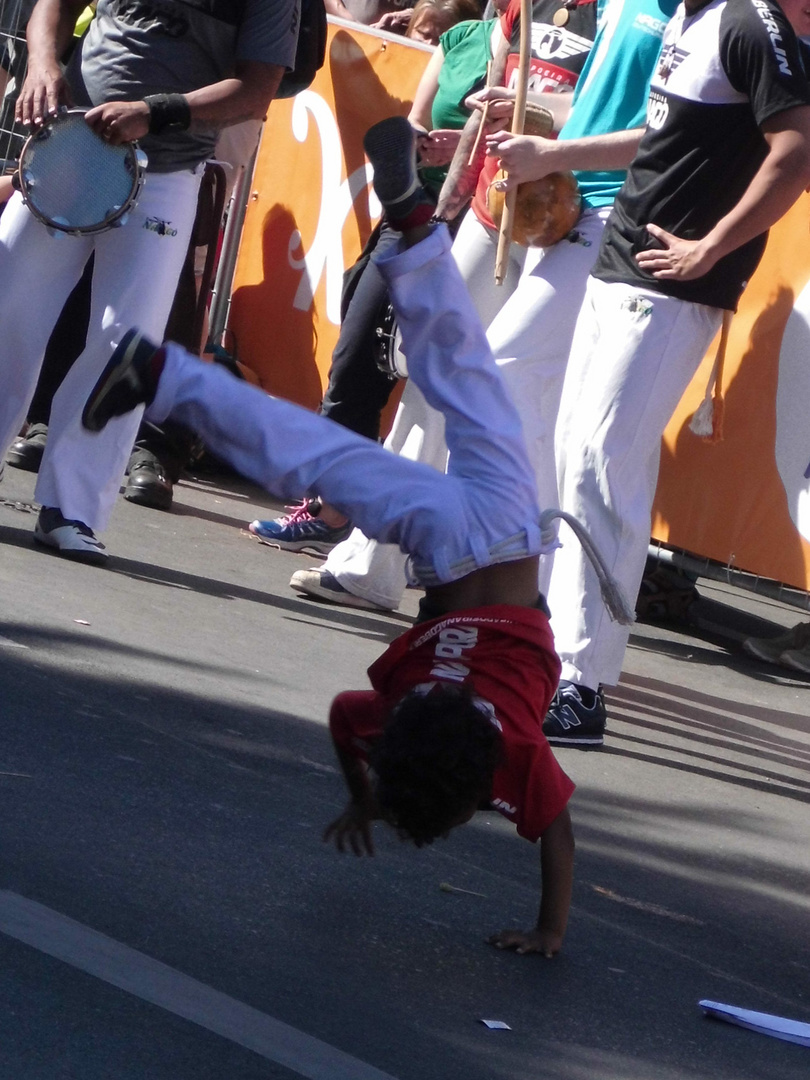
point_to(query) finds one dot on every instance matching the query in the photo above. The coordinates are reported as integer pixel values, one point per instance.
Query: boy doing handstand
(454, 720)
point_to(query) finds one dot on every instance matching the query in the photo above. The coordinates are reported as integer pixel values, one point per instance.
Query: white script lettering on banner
(325, 255)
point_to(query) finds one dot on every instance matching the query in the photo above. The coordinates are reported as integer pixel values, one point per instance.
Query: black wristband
(168, 111)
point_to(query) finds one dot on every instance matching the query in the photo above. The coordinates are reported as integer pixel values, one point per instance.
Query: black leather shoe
(149, 483)
(26, 452)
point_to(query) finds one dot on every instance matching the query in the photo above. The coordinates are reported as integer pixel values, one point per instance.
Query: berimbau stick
(483, 122)
(505, 235)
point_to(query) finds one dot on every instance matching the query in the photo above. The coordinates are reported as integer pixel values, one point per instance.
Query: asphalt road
(168, 911)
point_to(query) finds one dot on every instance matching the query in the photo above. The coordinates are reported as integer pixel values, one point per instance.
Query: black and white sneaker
(73, 539)
(129, 379)
(391, 148)
(576, 717)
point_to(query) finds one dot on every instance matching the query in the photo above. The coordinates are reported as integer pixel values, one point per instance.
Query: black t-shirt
(722, 72)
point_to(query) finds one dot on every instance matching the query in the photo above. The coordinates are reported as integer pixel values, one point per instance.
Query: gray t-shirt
(139, 47)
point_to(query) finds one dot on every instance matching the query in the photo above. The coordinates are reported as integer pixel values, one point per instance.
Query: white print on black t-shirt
(671, 59)
(657, 111)
(544, 81)
(557, 43)
(764, 13)
(724, 71)
(450, 646)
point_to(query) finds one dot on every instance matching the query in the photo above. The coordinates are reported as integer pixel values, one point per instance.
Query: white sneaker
(73, 539)
(324, 586)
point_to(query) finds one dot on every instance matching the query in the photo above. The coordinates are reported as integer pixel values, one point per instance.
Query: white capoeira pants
(136, 271)
(530, 321)
(484, 510)
(633, 355)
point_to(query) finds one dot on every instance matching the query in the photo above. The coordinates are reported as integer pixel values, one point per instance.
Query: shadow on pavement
(188, 827)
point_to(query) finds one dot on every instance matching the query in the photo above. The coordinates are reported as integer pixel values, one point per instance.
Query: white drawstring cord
(616, 602)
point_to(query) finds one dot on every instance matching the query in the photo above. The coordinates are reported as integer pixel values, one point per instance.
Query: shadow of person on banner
(276, 340)
(725, 500)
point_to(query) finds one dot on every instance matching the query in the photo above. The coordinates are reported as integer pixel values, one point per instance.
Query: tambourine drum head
(73, 179)
(545, 210)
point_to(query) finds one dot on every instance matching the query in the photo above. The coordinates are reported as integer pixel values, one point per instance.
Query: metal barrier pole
(740, 579)
(221, 294)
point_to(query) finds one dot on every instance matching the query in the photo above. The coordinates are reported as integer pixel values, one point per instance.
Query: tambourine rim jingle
(114, 175)
(387, 345)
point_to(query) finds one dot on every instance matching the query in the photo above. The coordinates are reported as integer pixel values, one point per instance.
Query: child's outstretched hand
(353, 828)
(546, 942)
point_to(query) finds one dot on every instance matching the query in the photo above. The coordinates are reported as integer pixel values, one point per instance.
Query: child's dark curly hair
(434, 761)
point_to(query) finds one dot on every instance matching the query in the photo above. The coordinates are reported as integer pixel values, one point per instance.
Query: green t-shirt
(467, 50)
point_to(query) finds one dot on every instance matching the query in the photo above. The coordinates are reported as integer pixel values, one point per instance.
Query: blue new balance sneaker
(576, 717)
(300, 530)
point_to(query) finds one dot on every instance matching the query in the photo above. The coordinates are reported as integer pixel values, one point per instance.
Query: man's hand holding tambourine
(43, 93)
(120, 122)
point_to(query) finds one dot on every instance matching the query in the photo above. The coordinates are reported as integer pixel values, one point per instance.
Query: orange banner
(745, 501)
(311, 209)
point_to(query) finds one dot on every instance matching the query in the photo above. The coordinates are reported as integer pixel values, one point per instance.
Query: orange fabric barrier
(745, 501)
(311, 209)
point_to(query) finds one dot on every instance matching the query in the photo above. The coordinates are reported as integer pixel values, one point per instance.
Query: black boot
(26, 452)
(149, 483)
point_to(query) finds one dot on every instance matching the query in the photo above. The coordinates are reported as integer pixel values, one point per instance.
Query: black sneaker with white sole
(390, 146)
(72, 539)
(576, 717)
(129, 379)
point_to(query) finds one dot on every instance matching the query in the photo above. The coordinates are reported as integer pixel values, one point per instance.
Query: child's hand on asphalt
(546, 942)
(352, 828)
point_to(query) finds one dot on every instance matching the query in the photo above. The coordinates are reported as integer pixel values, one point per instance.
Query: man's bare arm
(530, 157)
(219, 105)
(49, 32)
(777, 184)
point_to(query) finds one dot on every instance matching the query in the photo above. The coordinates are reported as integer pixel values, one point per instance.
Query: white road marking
(149, 979)
(9, 644)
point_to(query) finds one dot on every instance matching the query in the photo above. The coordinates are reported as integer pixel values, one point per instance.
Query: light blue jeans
(483, 510)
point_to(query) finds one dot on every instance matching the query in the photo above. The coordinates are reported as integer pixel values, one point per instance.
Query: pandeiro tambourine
(74, 181)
